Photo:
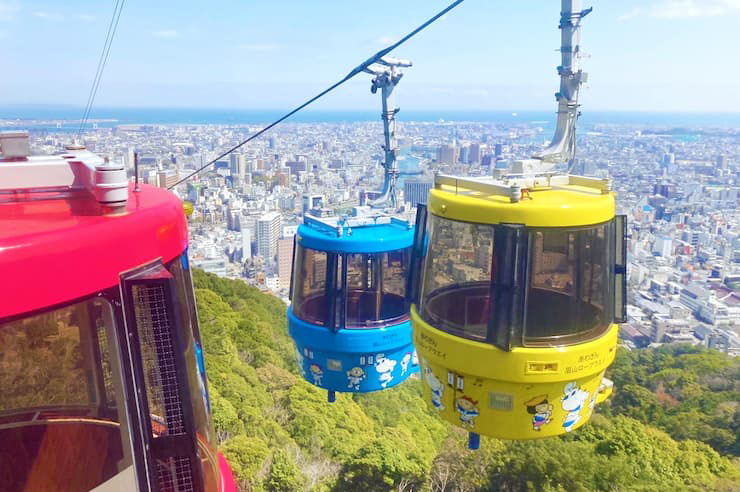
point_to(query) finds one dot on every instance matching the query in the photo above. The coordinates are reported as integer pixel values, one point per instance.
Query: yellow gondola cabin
(514, 316)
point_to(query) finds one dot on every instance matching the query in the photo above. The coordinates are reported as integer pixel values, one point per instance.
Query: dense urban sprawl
(679, 188)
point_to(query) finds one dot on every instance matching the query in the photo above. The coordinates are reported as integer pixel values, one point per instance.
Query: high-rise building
(238, 165)
(246, 244)
(447, 154)
(498, 150)
(233, 220)
(474, 156)
(416, 190)
(464, 154)
(130, 159)
(167, 178)
(268, 233)
(285, 261)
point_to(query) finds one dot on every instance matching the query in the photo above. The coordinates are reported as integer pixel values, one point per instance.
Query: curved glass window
(309, 300)
(353, 290)
(510, 285)
(375, 288)
(456, 291)
(62, 410)
(570, 291)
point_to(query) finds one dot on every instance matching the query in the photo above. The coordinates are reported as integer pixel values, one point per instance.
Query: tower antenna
(387, 74)
(563, 145)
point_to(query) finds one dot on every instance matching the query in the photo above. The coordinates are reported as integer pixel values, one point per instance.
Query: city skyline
(273, 56)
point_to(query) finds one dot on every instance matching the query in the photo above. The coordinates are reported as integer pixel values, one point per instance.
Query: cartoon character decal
(355, 377)
(414, 359)
(573, 401)
(435, 385)
(301, 363)
(385, 367)
(541, 409)
(468, 409)
(405, 363)
(317, 374)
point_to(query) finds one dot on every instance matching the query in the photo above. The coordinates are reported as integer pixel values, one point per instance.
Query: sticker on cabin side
(573, 401)
(317, 374)
(355, 377)
(435, 385)
(541, 411)
(468, 410)
(385, 367)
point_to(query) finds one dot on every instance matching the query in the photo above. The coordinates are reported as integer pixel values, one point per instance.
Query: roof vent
(14, 145)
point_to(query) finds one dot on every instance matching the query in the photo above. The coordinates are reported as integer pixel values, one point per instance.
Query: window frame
(510, 296)
(336, 288)
(130, 424)
(180, 265)
(164, 446)
(607, 310)
(429, 260)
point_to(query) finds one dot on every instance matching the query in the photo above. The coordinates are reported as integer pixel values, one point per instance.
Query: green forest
(672, 423)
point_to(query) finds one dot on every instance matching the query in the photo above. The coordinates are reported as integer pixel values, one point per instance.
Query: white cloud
(8, 10)
(165, 34)
(684, 9)
(49, 16)
(259, 47)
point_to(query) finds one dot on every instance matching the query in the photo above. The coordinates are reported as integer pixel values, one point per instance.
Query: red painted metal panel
(54, 250)
(227, 478)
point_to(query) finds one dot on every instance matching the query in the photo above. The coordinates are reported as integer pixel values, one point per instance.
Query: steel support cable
(358, 69)
(112, 27)
(97, 70)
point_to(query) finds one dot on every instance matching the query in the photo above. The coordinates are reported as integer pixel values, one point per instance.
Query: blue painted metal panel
(354, 360)
(361, 239)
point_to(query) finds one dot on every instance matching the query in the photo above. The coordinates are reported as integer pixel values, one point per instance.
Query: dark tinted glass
(457, 277)
(60, 427)
(375, 288)
(569, 297)
(309, 277)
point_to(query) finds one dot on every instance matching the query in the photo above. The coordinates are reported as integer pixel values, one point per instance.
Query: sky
(642, 55)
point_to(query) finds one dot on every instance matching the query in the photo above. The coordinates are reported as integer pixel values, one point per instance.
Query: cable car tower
(387, 74)
(514, 312)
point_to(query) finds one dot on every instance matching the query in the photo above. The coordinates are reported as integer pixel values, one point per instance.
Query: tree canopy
(279, 433)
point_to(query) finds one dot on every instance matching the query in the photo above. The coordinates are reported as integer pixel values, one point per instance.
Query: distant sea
(60, 118)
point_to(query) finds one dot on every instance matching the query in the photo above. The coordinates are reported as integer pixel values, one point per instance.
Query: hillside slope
(279, 433)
